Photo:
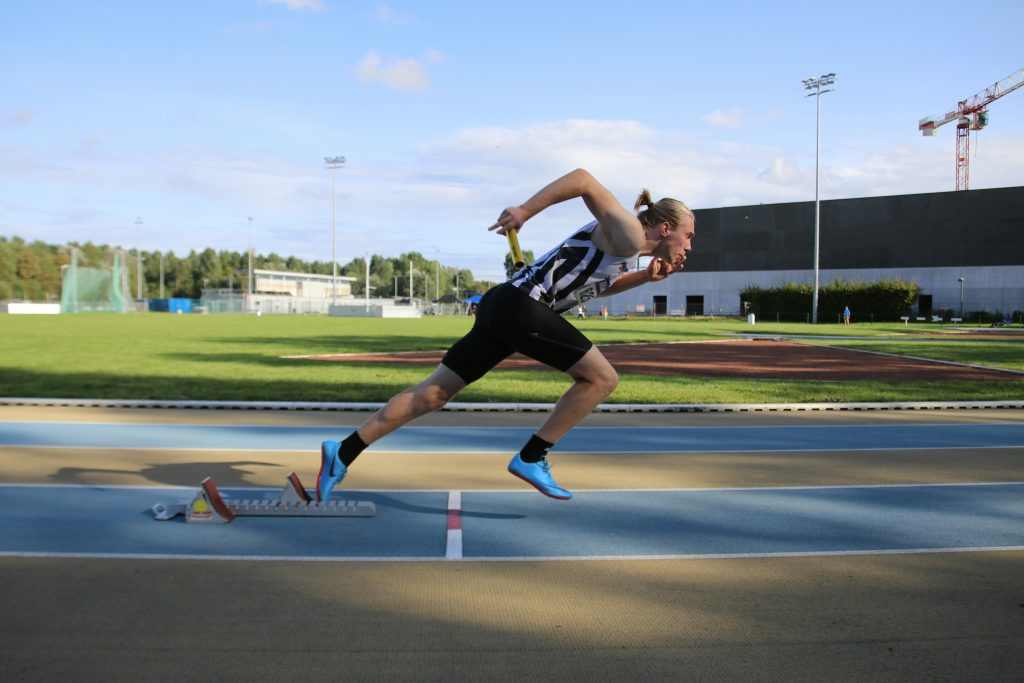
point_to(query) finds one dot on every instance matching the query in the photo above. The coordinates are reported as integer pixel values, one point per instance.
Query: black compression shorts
(508, 320)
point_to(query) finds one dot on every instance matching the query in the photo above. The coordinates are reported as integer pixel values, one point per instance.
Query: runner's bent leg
(536, 331)
(595, 379)
(467, 360)
(426, 397)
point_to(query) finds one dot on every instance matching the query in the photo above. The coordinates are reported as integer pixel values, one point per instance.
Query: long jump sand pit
(739, 358)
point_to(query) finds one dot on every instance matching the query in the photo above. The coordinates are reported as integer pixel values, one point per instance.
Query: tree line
(32, 271)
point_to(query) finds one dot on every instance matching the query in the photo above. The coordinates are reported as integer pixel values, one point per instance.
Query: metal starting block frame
(209, 507)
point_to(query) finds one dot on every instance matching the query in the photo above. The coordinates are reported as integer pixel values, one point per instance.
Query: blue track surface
(413, 525)
(102, 521)
(466, 439)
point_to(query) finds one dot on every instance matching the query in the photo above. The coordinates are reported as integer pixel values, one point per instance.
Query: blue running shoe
(538, 475)
(332, 471)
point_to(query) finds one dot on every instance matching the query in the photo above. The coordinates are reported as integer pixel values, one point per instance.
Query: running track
(116, 522)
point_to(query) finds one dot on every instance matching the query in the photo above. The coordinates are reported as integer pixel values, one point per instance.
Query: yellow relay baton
(513, 245)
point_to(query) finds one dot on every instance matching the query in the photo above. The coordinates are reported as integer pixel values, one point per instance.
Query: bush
(790, 302)
(881, 301)
(982, 317)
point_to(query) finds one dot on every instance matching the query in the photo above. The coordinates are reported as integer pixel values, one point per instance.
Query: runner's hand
(659, 269)
(511, 218)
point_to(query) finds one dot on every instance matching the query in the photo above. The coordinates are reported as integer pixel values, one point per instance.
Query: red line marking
(454, 512)
(454, 520)
(453, 550)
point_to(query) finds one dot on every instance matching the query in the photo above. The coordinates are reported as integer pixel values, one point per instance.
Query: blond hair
(666, 209)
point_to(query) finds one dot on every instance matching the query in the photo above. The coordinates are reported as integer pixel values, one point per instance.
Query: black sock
(351, 448)
(535, 449)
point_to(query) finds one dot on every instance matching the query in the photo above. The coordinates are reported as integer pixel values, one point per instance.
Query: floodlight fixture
(818, 83)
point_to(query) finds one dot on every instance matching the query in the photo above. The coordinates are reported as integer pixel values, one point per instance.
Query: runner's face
(674, 244)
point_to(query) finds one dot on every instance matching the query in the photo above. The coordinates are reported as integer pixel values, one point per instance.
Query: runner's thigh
(479, 351)
(534, 330)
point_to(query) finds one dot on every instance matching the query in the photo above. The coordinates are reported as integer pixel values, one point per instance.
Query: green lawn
(235, 357)
(995, 353)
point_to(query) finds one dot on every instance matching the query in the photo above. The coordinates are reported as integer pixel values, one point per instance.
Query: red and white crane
(971, 114)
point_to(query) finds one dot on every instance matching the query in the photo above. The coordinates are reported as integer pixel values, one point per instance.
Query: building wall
(997, 288)
(930, 239)
(302, 285)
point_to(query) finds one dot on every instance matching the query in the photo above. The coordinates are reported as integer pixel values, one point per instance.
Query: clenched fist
(659, 269)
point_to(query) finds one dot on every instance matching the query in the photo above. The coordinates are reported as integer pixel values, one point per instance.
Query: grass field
(235, 357)
(996, 354)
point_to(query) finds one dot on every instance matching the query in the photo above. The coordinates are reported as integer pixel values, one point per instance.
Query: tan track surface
(923, 617)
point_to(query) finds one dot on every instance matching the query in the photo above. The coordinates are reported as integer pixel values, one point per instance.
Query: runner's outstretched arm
(621, 229)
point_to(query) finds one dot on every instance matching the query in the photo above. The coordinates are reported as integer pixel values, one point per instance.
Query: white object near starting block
(209, 507)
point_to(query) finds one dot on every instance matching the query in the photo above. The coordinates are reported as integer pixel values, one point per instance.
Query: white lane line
(565, 558)
(277, 406)
(900, 356)
(245, 490)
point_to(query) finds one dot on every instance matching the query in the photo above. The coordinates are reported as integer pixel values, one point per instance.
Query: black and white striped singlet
(572, 273)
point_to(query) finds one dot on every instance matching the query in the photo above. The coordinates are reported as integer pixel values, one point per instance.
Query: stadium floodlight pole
(249, 255)
(816, 85)
(334, 163)
(138, 263)
(961, 297)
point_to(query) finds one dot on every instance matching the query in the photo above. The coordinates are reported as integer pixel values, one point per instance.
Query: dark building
(931, 239)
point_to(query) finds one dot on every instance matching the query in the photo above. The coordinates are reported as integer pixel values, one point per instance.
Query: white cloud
(312, 5)
(401, 74)
(781, 171)
(736, 117)
(495, 167)
(728, 118)
(386, 15)
(441, 197)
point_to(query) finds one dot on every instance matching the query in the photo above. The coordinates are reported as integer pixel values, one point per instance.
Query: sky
(187, 124)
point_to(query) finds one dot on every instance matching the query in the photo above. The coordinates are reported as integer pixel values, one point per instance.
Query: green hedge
(880, 301)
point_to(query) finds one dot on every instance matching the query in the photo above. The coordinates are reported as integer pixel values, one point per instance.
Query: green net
(94, 289)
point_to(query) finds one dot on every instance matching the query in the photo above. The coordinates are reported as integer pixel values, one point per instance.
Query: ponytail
(643, 200)
(666, 209)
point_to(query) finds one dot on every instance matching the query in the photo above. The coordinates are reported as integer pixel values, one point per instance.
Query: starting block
(209, 507)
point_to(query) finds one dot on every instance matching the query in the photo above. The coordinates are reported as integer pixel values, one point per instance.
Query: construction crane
(971, 114)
